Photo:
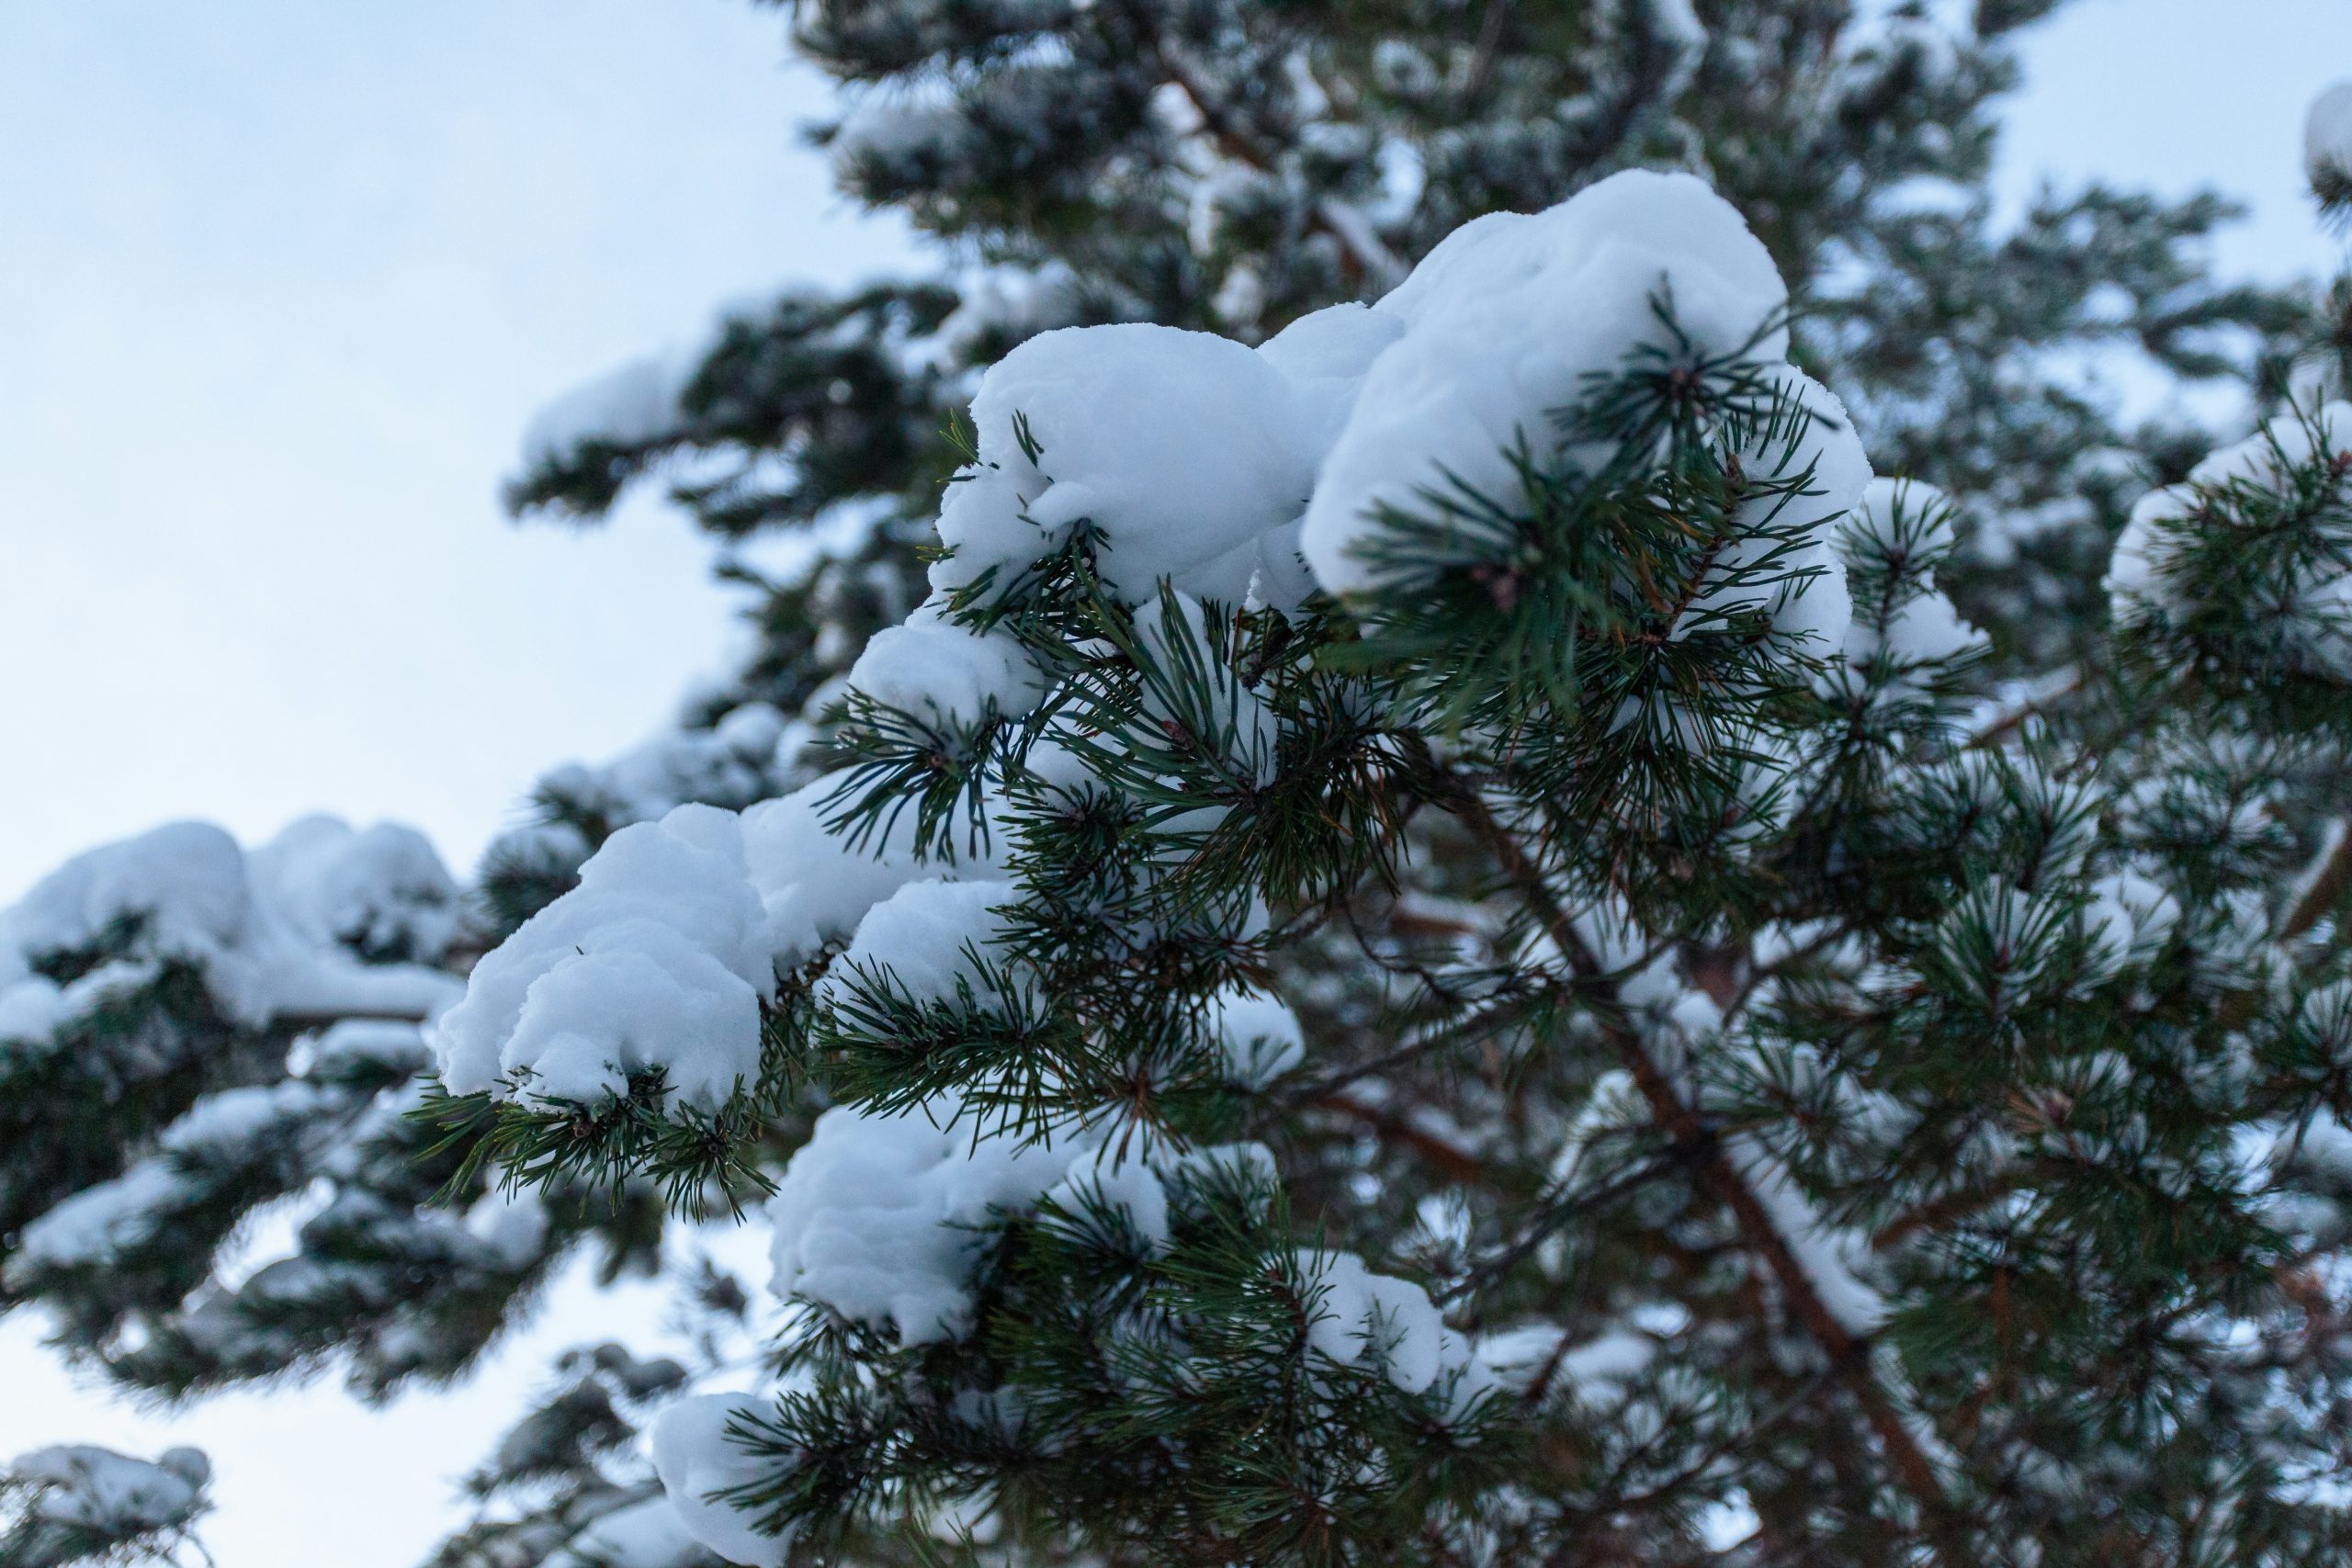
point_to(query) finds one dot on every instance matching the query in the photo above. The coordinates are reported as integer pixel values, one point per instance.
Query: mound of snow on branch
(283, 928)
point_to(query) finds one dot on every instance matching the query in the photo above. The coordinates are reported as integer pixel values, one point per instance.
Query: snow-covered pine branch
(1441, 934)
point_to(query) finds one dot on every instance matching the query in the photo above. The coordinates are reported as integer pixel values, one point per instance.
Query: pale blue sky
(281, 281)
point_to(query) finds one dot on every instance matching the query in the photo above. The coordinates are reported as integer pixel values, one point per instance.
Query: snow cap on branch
(876, 1216)
(1508, 317)
(113, 1496)
(1185, 450)
(2153, 577)
(658, 960)
(932, 668)
(282, 929)
(695, 1457)
(2327, 134)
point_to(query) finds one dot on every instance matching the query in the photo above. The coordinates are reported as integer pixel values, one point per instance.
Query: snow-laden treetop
(1178, 464)
(1224, 472)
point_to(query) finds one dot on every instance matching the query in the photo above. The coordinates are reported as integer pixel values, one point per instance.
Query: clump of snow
(268, 933)
(112, 1495)
(1357, 1311)
(873, 1215)
(183, 886)
(1259, 1035)
(1794, 570)
(923, 939)
(100, 1223)
(2327, 134)
(657, 960)
(816, 885)
(932, 669)
(678, 932)
(632, 406)
(1227, 472)
(2146, 576)
(1184, 449)
(2128, 917)
(354, 1047)
(381, 891)
(1129, 1188)
(1503, 322)
(1235, 721)
(695, 1457)
(1901, 521)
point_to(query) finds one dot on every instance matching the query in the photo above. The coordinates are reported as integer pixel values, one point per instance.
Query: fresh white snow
(2328, 132)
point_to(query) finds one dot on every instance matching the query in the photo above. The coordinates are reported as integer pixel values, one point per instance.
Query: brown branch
(1376, 265)
(2063, 682)
(1847, 1353)
(2323, 885)
(1455, 1161)
(1488, 48)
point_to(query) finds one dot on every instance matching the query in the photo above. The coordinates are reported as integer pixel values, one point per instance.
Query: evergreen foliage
(1611, 990)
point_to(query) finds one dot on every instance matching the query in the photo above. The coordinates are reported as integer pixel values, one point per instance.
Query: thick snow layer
(1357, 1310)
(872, 1217)
(657, 960)
(924, 938)
(678, 930)
(1503, 322)
(695, 1457)
(1325, 354)
(262, 929)
(1184, 449)
(946, 675)
(2328, 132)
(379, 890)
(2145, 575)
(111, 1493)
(631, 406)
(816, 885)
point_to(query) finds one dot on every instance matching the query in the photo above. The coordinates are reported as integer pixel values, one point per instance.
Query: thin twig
(1999, 725)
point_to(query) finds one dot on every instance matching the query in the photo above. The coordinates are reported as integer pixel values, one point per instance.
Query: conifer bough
(1422, 931)
(1868, 1061)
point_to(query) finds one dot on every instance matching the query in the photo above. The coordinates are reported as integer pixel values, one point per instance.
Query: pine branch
(1844, 1350)
(1378, 268)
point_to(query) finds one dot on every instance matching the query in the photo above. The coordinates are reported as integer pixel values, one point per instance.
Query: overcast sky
(281, 281)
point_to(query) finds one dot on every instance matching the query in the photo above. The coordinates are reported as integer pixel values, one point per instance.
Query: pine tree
(1432, 933)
